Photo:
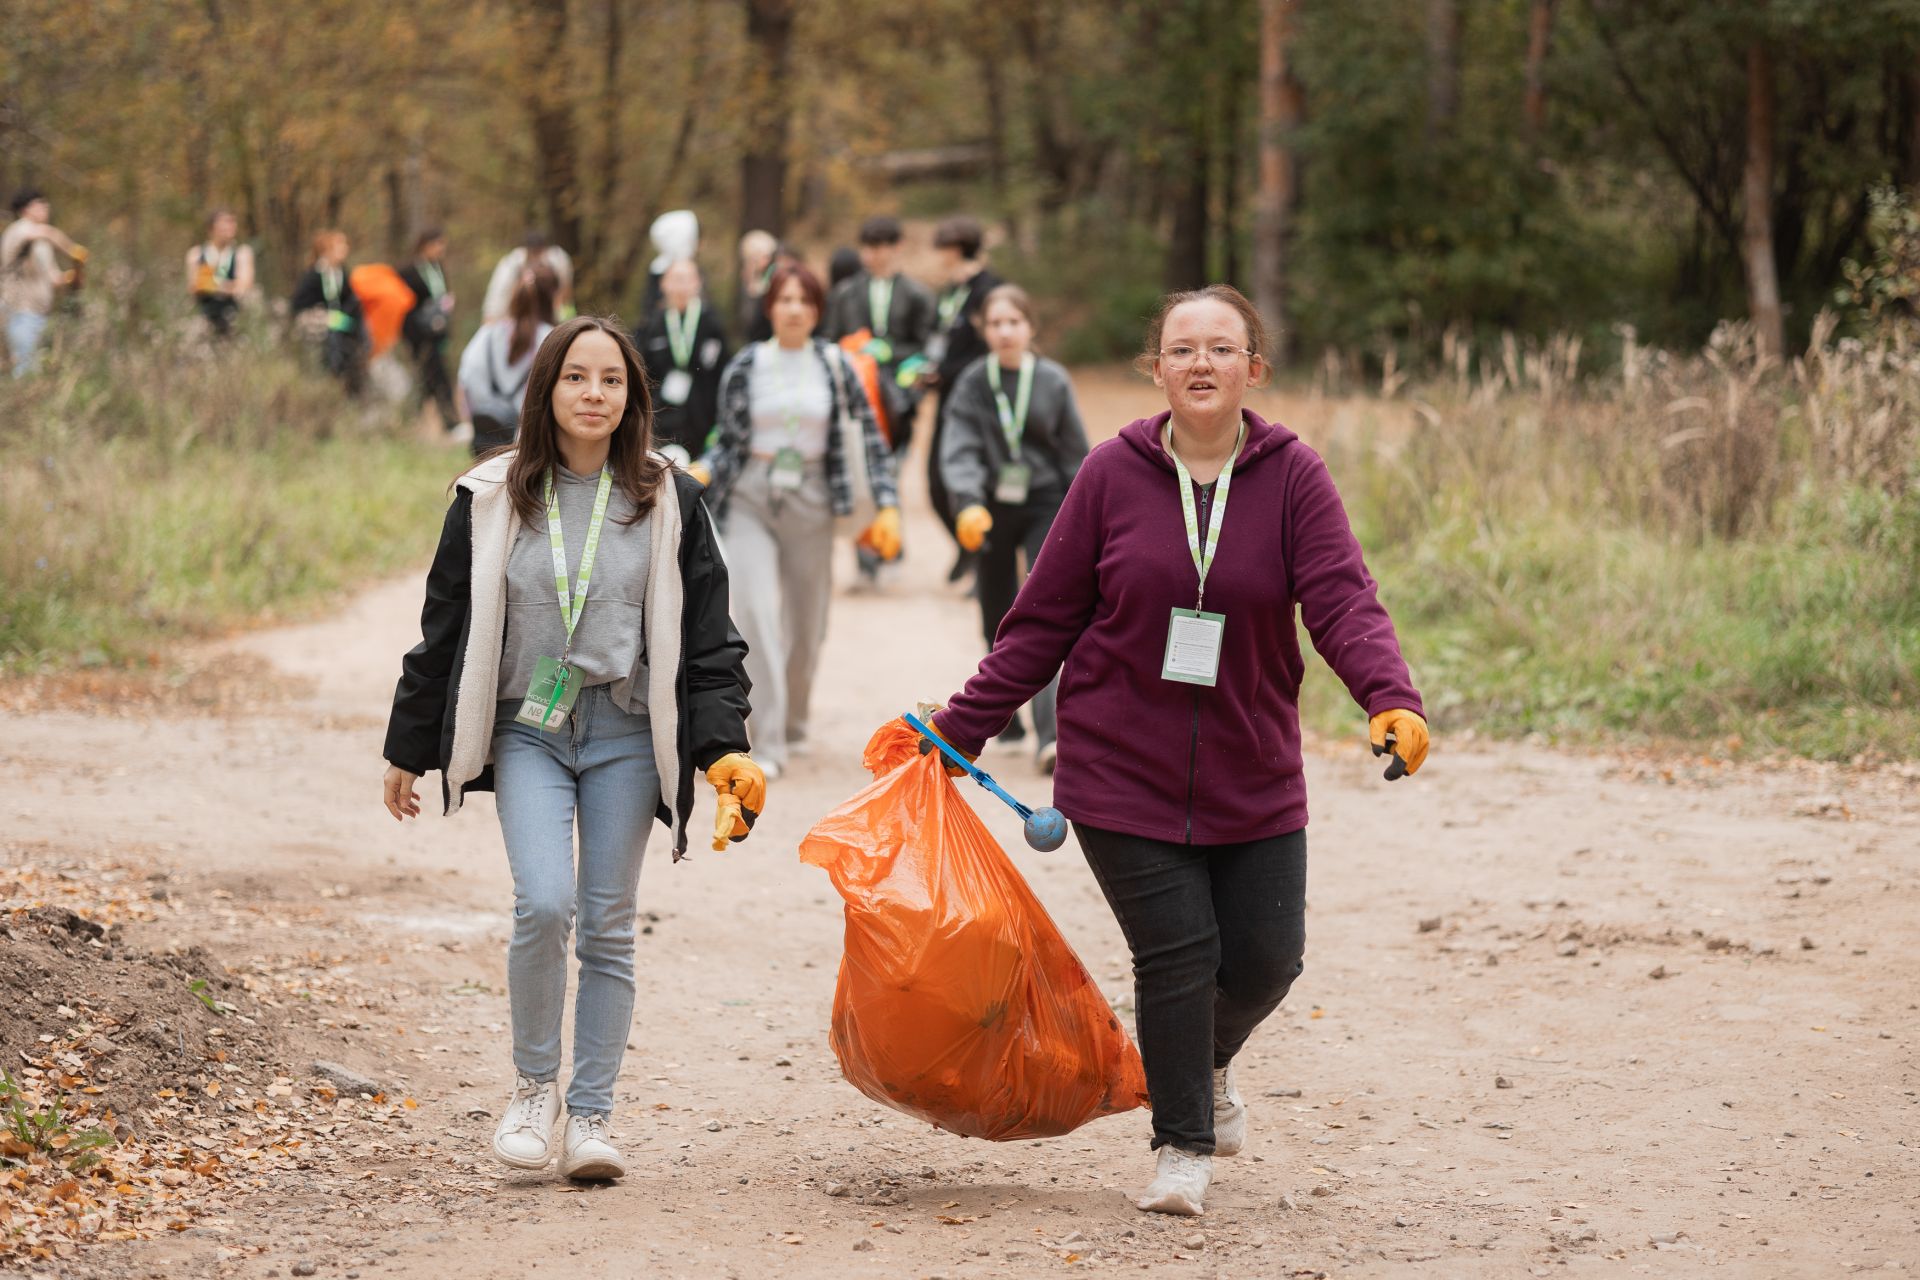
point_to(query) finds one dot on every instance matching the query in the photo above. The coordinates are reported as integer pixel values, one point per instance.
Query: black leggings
(1217, 934)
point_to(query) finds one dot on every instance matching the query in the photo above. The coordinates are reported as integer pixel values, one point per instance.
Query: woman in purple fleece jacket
(1172, 630)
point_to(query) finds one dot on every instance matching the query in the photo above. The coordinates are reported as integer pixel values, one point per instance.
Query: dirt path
(1480, 1073)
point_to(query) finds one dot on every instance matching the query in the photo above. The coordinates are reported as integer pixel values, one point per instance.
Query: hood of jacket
(1263, 439)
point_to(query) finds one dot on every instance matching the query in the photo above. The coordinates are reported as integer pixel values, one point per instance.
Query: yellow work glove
(972, 526)
(926, 712)
(883, 535)
(1409, 746)
(702, 472)
(741, 786)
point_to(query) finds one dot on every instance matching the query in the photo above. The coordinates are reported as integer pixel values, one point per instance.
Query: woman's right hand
(401, 800)
(971, 527)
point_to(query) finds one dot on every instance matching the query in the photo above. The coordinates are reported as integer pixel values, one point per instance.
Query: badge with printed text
(1193, 647)
(788, 472)
(676, 386)
(550, 695)
(1013, 484)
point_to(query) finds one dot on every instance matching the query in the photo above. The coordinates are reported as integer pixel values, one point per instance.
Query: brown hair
(1249, 315)
(809, 285)
(530, 307)
(323, 241)
(1011, 294)
(639, 474)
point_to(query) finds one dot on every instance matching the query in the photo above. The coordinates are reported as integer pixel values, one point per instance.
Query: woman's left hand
(883, 535)
(1410, 740)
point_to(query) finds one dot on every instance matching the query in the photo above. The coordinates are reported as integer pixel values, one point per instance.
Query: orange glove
(883, 535)
(1409, 734)
(972, 526)
(702, 472)
(741, 785)
(926, 712)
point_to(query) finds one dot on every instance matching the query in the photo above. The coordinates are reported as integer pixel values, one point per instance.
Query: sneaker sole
(515, 1162)
(1177, 1205)
(597, 1171)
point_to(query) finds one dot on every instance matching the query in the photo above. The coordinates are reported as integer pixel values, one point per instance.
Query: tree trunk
(1444, 29)
(1910, 166)
(1187, 247)
(1539, 35)
(555, 140)
(1756, 240)
(769, 116)
(1278, 188)
(396, 213)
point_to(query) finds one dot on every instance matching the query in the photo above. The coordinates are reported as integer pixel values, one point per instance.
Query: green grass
(1556, 585)
(150, 494)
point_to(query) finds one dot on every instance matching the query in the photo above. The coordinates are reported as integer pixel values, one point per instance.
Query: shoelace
(596, 1127)
(526, 1098)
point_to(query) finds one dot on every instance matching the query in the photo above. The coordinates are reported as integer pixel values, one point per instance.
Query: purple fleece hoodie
(1157, 758)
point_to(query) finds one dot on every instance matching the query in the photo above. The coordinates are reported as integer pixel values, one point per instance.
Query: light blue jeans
(24, 331)
(600, 770)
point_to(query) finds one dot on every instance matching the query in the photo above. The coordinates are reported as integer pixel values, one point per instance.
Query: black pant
(435, 385)
(1016, 529)
(1217, 934)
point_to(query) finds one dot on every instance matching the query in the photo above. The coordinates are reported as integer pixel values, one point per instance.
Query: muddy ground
(1606, 1014)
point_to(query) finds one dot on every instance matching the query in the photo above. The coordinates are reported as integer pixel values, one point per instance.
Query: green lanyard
(794, 386)
(880, 302)
(681, 328)
(572, 603)
(1013, 417)
(1203, 558)
(222, 264)
(950, 305)
(330, 286)
(435, 279)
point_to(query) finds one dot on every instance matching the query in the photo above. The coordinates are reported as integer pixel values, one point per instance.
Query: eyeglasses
(1184, 357)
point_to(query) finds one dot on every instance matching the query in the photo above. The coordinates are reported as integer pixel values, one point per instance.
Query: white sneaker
(524, 1139)
(1179, 1184)
(1049, 757)
(1229, 1114)
(770, 769)
(589, 1156)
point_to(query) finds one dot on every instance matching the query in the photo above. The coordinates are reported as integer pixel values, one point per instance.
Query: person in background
(31, 276)
(676, 238)
(685, 349)
(777, 475)
(430, 323)
(843, 264)
(895, 311)
(1011, 444)
(956, 343)
(1180, 755)
(325, 304)
(220, 272)
(758, 251)
(506, 275)
(499, 359)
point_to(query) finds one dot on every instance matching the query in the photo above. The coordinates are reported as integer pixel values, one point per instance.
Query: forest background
(1639, 274)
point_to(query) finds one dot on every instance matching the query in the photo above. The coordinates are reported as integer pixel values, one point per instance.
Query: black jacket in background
(711, 686)
(964, 341)
(426, 323)
(686, 425)
(311, 293)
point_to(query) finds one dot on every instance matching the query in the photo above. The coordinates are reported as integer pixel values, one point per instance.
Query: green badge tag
(1016, 479)
(789, 471)
(550, 695)
(1193, 647)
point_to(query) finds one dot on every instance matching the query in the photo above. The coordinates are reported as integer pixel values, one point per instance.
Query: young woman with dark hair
(1010, 444)
(576, 659)
(1199, 847)
(778, 474)
(498, 362)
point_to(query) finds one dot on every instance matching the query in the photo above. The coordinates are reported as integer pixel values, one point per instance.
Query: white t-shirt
(791, 401)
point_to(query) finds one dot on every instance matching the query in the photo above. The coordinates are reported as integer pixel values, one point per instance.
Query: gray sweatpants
(780, 564)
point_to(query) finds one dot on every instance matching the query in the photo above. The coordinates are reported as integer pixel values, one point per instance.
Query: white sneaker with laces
(589, 1155)
(524, 1139)
(1229, 1114)
(1179, 1184)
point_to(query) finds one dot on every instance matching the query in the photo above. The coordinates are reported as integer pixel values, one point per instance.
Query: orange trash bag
(959, 1002)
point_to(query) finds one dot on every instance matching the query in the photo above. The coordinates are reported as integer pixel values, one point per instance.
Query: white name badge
(676, 386)
(1193, 647)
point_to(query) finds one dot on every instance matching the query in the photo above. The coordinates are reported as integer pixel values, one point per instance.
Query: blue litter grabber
(1046, 829)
